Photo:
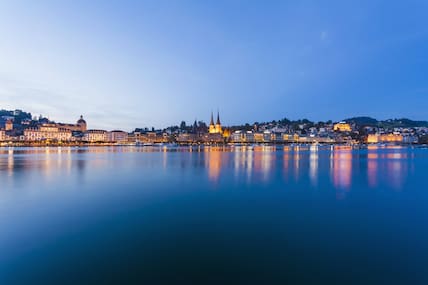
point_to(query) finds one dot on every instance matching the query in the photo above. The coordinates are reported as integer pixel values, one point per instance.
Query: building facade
(47, 132)
(385, 138)
(342, 127)
(117, 136)
(80, 125)
(95, 136)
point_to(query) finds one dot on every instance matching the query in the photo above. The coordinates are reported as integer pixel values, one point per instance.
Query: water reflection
(391, 160)
(213, 160)
(313, 165)
(243, 163)
(10, 162)
(341, 165)
(286, 162)
(372, 167)
(49, 164)
(116, 209)
(306, 164)
(397, 166)
(264, 160)
(296, 159)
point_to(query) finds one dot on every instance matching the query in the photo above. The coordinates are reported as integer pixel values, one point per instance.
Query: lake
(214, 215)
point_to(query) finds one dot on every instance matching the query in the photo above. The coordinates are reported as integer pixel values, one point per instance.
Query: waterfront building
(255, 137)
(287, 138)
(342, 127)
(117, 136)
(148, 137)
(47, 132)
(212, 138)
(410, 139)
(304, 139)
(187, 138)
(262, 137)
(249, 137)
(277, 137)
(268, 136)
(237, 137)
(157, 137)
(95, 136)
(134, 137)
(258, 137)
(2, 135)
(373, 138)
(291, 138)
(385, 138)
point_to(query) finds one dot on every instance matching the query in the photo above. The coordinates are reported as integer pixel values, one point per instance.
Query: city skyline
(20, 128)
(209, 121)
(124, 65)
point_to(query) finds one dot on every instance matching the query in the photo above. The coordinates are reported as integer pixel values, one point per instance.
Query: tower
(218, 124)
(215, 128)
(212, 129)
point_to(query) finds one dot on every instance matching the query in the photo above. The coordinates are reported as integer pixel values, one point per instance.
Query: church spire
(212, 119)
(218, 118)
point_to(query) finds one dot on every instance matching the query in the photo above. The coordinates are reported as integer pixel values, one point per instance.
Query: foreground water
(302, 215)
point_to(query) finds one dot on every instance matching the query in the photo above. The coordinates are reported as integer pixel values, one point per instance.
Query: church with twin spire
(215, 128)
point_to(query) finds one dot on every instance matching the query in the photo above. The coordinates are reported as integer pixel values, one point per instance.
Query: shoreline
(172, 145)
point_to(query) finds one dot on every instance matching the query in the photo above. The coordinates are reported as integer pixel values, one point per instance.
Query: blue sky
(127, 64)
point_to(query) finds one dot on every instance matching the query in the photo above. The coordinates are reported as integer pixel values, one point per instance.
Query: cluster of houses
(328, 133)
(45, 131)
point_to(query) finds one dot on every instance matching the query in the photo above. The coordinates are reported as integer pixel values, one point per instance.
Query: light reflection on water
(257, 164)
(244, 214)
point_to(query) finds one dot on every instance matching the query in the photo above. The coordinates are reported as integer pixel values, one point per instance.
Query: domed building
(82, 124)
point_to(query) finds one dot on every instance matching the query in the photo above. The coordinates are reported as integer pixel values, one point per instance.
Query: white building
(249, 137)
(267, 136)
(95, 136)
(237, 137)
(47, 132)
(117, 136)
(410, 139)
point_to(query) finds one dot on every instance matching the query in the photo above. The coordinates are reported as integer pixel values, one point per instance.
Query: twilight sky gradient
(127, 64)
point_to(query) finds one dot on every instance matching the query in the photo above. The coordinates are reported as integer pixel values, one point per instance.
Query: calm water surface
(126, 215)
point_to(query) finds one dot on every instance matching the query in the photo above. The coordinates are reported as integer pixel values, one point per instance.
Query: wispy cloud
(20, 94)
(60, 107)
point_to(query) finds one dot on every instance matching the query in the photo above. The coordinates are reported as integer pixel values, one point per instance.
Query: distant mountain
(363, 121)
(390, 123)
(404, 123)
